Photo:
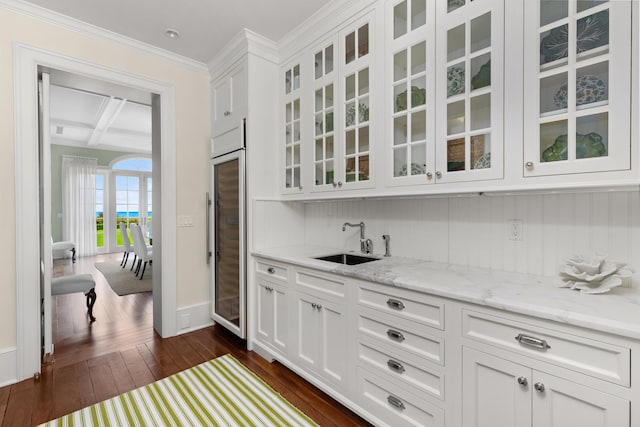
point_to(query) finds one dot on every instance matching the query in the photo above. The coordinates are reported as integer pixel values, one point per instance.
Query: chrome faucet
(387, 239)
(366, 245)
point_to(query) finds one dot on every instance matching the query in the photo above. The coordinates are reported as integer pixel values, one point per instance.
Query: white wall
(191, 85)
(473, 230)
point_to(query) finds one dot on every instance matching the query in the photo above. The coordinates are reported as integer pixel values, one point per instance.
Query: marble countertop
(617, 311)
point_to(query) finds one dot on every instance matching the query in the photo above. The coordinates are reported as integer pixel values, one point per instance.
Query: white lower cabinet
(401, 357)
(272, 317)
(500, 393)
(321, 338)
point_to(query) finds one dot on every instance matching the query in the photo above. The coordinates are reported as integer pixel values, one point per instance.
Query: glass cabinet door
(577, 81)
(324, 159)
(292, 129)
(470, 90)
(356, 105)
(410, 93)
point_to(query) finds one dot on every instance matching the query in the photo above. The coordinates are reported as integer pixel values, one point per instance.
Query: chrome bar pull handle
(208, 226)
(395, 402)
(395, 335)
(532, 342)
(395, 304)
(395, 366)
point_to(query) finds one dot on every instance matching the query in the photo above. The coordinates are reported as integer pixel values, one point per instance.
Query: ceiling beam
(108, 115)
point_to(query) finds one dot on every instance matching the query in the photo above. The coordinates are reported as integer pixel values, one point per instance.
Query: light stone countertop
(617, 311)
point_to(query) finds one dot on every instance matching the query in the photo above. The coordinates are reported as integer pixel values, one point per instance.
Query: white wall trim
(73, 24)
(246, 41)
(8, 372)
(26, 62)
(199, 317)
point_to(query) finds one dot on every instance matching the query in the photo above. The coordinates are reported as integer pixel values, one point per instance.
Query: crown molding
(73, 24)
(327, 19)
(243, 43)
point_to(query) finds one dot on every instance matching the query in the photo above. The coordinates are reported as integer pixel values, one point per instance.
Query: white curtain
(79, 203)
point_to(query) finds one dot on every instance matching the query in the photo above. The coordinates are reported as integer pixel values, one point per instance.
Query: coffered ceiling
(104, 122)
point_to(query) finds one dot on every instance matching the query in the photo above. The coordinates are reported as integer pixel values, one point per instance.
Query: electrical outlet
(516, 229)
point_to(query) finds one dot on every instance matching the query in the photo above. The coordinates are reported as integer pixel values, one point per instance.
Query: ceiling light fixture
(172, 34)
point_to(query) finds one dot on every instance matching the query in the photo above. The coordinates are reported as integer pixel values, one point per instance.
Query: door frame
(27, 60)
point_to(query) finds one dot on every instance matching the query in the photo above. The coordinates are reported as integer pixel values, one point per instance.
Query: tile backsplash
(470, 230)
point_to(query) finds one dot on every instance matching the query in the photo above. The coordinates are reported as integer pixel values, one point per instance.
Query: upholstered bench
(76, 283)
(63, 246)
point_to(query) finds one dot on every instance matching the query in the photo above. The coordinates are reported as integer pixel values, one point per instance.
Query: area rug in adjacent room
(221, 392)
(122, 280)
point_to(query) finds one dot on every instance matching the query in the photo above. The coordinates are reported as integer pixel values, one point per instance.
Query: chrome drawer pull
(523, 381)
(395, 304)
(395, 402)
(395, 335)
(395, 366)
(271, 270)
(319, 307)
(539, 387)
(532, 342)
(314, 305)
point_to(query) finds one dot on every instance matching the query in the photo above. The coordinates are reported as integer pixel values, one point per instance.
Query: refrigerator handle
(208, 222)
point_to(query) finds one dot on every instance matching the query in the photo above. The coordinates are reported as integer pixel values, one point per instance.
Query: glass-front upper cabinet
(356, 107)
(410, 92)
(324, 108)
(470, 57)
(292, 129)
(577, 86)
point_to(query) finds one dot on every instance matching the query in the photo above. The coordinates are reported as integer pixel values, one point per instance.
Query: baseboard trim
(8, 367)
(193, 317)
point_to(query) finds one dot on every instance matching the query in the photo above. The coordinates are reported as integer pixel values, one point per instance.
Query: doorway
(28, 61)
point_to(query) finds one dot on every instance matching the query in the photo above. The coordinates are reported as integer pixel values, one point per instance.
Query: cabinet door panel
(265, 312)
(577, 94)
(308, 329)
(492, 395)
(281, 319)
(564, 403)
(334, 341)
(470, 92)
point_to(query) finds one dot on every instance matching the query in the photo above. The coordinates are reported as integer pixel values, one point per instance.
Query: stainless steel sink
(347, 259)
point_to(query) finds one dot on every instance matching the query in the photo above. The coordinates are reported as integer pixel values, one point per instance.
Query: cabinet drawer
(394, 405)
(402, 368)
(272, 270)
(313, 282)
(595, 358)
(402, 336)
(413, 306)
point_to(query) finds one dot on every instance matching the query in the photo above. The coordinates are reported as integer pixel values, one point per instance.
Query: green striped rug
(221, 392)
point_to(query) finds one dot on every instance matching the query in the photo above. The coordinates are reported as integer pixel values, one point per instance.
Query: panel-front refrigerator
(228, 241)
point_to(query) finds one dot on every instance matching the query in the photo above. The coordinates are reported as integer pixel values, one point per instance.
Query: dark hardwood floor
(120, 351)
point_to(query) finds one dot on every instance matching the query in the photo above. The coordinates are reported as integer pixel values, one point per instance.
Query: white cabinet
(410, 92)
(321, 338)
(577, 80)
(228, 108)
(292, 128)
(272, 317)
(400, 355)
(500, 393)
(320, 342)
(469, 91)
